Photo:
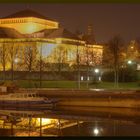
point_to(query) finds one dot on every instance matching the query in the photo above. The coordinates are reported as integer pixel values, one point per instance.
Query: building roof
(9, 33)
(26, 13)
(45, 31)
(62, 33)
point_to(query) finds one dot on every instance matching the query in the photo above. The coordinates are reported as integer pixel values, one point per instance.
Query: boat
(26, 101)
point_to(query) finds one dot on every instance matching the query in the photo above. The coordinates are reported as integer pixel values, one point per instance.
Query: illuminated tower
(90, 30)
(89, 35)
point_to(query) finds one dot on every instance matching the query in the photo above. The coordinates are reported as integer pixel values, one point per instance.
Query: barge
(26, 102)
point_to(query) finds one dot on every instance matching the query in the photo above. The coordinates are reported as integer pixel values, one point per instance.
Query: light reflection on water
(70, 122)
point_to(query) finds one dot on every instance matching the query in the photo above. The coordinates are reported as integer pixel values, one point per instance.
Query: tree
(87, 58)
(12, 53)
(3, 58)
(107, 62)
(30, 58)
(59, 57)
(115, 45)
(78, 64)
(133, 50)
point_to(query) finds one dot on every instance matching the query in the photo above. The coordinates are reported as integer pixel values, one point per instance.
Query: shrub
(125, 75)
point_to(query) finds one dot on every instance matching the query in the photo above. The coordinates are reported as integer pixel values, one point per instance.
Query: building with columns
(28, 38)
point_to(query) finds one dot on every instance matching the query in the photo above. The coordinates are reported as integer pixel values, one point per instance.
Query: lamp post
(16, 60)
(78, 66)
(40, 70)
(96, 70)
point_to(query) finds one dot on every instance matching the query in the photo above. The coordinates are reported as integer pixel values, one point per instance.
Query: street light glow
(96, 131)
(129, 62)
(96, 70)
(99, 78)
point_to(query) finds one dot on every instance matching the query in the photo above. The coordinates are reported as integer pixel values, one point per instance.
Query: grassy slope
(73, 84)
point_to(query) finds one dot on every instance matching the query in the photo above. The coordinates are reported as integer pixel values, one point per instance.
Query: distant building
(28, 36)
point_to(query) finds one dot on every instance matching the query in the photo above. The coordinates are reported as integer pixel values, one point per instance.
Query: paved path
(85, 94)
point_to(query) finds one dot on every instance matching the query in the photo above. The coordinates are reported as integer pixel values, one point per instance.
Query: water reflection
(70, 122)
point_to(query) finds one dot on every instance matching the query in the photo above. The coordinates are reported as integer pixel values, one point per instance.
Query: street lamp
(96, 76)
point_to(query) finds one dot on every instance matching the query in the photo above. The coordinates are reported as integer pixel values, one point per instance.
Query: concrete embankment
(125, 103)
(89, 98)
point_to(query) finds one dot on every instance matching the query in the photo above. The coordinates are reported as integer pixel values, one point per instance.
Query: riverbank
(90, 98)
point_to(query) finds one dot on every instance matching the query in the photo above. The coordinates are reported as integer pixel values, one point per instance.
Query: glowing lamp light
(96, 131)
(96, 70)
(129, 62)
(16, 60)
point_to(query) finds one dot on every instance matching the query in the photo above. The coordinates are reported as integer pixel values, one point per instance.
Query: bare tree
(30, 58)
(107, 62)
(61, 58)
(133, 50)
(78, 64)
(3, 58)
(12, 53)
(115, 45)
(40, 67)
(87, 62)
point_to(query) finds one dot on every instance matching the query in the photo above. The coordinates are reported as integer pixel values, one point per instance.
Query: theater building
(28, 38)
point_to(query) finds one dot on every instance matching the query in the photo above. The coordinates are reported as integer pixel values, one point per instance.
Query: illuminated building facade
(27, 22)
(26, 38)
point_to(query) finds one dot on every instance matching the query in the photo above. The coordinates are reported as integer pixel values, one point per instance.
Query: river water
(66, 121)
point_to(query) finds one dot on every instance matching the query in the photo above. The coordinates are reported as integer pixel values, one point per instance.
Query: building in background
(28, 38)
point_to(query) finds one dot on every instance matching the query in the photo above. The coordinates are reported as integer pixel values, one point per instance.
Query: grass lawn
(48, 84)
(127, 85)
(73, 84)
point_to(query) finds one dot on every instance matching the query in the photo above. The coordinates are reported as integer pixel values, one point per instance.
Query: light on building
(16, 60)
(138, 66)
(30, 28)
(99, 78)
(82, 78)
(88, 78)
(58, 41)
(45, 121)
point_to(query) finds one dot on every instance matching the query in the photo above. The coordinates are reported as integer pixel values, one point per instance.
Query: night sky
(107, 19)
